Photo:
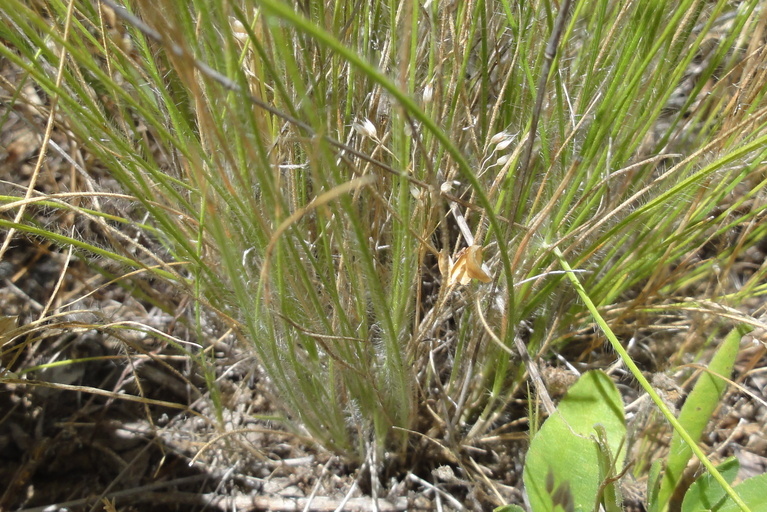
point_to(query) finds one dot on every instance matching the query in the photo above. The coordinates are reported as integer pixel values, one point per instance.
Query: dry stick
(342, 506)
(549, 54)
(374, 473)
(317, 485)
(48, 131)
(288, 504)
(136, 491)
(437, 491)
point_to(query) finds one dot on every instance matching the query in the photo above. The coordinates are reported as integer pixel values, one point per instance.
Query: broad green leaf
(564, 466)
(509, 508)
(706, 492)
(752, 491)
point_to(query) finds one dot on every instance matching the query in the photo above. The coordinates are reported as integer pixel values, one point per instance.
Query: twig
(342, 506)
(439, 492)
(549, 54)
(136, 491)
(239, 502)
(317, 485)
(373, 466)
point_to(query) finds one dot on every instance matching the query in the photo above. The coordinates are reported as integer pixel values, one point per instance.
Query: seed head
(365, 128)
(428, 93)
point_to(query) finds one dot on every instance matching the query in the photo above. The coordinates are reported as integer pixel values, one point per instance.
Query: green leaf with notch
(706, 492)
(566, 464)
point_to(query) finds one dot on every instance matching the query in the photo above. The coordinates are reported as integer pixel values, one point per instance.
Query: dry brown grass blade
(101, 392)
(315, 203)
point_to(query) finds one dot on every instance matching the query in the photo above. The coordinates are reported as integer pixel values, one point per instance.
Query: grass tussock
(309, 173)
